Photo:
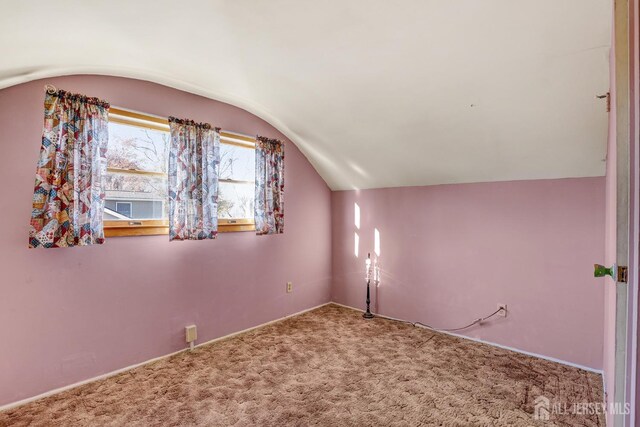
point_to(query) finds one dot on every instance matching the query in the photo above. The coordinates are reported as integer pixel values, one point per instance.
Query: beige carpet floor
(328, 367)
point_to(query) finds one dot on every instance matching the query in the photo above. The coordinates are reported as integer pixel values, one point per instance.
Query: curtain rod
(51, 89)
(165, 118)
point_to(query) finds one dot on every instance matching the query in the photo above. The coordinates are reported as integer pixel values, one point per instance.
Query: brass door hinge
(622, 274)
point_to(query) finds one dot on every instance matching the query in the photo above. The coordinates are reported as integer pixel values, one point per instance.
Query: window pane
(124, 208)
(237, 163)
(235, 200)
(146, 194)
(133, 147)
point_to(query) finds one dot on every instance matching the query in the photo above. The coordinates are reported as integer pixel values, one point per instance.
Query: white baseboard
(155, 359)
(517, 350)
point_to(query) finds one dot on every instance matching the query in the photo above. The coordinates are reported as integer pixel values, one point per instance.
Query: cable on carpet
(475, 322)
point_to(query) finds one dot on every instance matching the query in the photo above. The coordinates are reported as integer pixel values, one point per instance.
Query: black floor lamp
(368, 314)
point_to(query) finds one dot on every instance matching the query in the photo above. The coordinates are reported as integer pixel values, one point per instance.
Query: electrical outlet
(503, 310)
(289, 287)
(191, 333)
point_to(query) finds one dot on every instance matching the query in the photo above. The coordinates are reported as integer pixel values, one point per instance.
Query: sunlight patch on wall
(376, 240)
(356, 214)
(356, 243)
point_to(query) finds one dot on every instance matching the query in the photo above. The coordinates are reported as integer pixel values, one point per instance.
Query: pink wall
(71, 314)
(451, 253)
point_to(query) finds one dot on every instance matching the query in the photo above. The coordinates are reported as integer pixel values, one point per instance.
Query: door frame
(627, 227)
(633, 325)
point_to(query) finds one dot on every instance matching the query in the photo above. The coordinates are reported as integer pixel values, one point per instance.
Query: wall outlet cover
(503, 310)
(191, 333)
(289, 287)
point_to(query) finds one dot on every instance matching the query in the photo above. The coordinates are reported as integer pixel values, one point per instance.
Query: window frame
(152, 227)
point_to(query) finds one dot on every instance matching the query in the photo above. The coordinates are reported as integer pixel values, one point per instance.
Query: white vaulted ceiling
(376, 93)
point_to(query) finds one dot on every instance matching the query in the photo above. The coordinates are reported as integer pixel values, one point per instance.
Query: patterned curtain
(269, 205)
(194, 157)
(68, 200)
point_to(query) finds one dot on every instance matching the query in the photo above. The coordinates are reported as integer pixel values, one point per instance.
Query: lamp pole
(368, 314)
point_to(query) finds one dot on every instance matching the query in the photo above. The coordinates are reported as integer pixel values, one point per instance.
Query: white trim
(517, 350)
(155, 359)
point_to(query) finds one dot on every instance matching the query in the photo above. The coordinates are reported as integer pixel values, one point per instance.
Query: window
(136, 199)
(124, 208)
(236, 184)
